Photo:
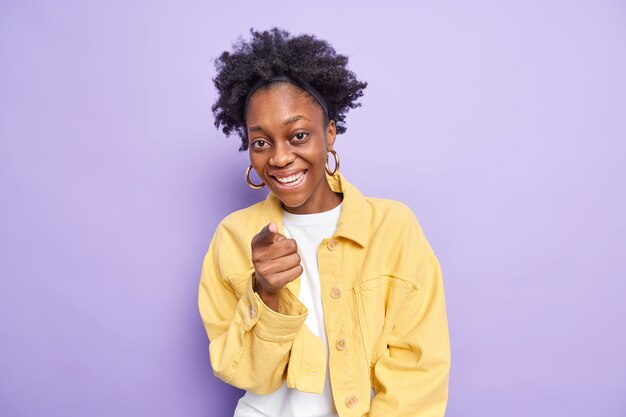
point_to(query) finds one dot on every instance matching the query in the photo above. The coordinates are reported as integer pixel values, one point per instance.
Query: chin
(291, 201)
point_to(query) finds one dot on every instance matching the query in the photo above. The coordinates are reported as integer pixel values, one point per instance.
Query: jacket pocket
(379, 299)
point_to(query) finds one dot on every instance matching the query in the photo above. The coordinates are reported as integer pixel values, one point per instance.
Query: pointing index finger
(268, 235)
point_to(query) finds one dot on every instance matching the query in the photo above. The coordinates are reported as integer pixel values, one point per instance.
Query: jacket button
(341, 343)
(335, 292)
(351, 401)
(332, 244)
(251, 311)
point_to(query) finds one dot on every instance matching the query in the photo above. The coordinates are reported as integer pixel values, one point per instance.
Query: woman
(317, 301)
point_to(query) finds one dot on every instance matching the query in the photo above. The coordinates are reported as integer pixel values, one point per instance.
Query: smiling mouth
(291, 181)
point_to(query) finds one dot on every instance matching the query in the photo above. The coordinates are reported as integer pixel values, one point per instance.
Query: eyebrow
(293, 119)
(289, 120)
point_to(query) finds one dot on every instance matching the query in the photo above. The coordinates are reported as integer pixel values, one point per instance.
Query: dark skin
(288, 144)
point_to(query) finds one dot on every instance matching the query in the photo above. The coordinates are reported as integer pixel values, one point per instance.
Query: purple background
(502, 124)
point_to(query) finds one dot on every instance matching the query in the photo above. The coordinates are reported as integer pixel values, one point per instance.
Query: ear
(331, 134)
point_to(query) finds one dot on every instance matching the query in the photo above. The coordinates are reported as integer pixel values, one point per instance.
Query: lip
(290, 186)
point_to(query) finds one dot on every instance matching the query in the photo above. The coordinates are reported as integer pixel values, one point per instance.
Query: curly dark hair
(276, 52)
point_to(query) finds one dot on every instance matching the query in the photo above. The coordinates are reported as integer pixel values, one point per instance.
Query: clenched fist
(276, 263)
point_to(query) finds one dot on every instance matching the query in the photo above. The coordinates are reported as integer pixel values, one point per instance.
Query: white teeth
(291, 178)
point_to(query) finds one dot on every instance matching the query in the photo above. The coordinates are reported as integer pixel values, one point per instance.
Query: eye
(300, 136)
(259, 143)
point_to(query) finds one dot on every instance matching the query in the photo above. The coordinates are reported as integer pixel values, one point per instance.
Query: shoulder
(392, 213)
(235, 231)
(230, 246)
(397, 236)
(243, 219)
(387, 205)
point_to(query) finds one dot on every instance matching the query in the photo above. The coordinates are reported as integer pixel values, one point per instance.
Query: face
(288, 143)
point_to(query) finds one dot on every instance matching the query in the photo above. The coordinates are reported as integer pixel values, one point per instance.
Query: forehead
(281, 100)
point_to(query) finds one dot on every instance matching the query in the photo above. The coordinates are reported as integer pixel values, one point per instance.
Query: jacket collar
(354, 221)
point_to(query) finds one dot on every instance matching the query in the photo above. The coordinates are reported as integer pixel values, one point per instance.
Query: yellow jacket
(384, 311)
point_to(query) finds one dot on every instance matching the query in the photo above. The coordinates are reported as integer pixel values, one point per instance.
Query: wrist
(270, 299)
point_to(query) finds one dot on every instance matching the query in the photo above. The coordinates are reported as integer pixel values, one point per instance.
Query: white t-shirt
(308, 230)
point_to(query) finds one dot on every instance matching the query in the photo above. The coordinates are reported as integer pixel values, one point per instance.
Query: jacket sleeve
(411, 378)
(249, 342)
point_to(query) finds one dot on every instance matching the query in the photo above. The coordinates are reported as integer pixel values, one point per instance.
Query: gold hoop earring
(250, 183)
(334, 171)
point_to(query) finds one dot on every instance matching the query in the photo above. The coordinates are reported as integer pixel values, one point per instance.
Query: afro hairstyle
(276, 52)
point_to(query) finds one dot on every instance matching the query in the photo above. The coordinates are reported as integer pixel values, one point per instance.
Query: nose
(281, 155)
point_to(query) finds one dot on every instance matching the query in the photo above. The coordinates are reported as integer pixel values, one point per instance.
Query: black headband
(302, 84)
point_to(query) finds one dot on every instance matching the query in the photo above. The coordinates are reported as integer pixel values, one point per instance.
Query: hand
(276, 263)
